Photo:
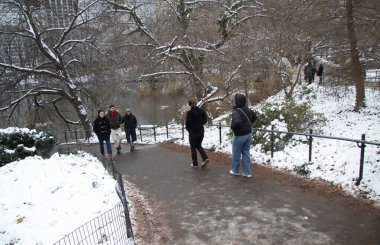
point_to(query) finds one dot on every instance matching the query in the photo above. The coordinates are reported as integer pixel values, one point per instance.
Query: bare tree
(187, 37)
(357, 69)
(49, 76)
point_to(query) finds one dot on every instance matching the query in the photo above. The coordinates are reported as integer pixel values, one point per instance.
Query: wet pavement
(209, 206)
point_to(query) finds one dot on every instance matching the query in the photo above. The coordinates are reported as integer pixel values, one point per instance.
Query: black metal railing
(112, 227)
(361, 143)
(107, 228)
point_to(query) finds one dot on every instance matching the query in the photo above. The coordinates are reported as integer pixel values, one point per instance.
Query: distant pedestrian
(309, 73)
(130, 125)
(102, 130)
(241, 125)
(313, 71)
(320, 72)
(195, 119)
(115, 120)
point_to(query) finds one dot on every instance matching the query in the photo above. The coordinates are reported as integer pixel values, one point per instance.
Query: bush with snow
(286, 117)
(19, 143)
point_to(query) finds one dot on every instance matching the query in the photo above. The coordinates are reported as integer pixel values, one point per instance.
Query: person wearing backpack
(195, 119)
(241, 125)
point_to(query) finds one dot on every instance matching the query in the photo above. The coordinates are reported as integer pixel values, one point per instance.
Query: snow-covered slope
(333, 160)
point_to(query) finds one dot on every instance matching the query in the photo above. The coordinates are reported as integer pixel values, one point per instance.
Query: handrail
(308, 134)
(361, 143)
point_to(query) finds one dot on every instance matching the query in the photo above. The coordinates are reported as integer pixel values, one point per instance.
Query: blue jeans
(241, 146)
(106, 138)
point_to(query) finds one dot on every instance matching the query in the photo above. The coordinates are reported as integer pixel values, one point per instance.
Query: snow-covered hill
(333, 160)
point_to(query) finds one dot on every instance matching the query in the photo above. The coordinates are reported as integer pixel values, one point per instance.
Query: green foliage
(44, 144)
(18, 144)
(286, 117)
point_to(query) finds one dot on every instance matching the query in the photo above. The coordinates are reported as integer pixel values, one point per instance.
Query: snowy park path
(209, 206)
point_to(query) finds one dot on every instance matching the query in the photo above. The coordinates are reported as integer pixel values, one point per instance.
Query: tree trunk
(357, 69)
(79, 108)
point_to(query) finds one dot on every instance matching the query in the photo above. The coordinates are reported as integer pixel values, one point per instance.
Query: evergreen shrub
(286, 117)
(19, 143)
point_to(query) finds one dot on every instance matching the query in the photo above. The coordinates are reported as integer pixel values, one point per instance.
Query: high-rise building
(48, 14)
(55, 13)
(60, 12)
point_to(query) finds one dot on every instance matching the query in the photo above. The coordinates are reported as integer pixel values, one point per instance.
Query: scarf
(113, 113)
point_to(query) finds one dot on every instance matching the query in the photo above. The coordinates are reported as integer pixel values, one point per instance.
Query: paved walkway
(208, 206)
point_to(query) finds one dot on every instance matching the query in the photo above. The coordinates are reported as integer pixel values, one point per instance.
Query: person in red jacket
(115, 120)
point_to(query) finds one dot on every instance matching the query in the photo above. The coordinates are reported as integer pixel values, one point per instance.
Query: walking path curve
(177, 204)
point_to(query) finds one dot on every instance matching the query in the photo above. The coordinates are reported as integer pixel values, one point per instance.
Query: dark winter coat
(130, 122)
(195, 118)
(115, 119)
(320, 70)
(102, 126)
(242, 116)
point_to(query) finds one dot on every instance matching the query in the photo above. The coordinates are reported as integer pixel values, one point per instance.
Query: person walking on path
(102, 130)
(309, 72)
(241, 125)
(130, 125)
(115, 120)
(195, 119)
(320, 72)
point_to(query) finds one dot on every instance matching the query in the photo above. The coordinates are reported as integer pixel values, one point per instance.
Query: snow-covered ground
(44, 199)
(67, 191)
(332, 160)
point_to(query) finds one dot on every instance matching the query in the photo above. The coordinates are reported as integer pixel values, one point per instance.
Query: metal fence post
(272, 141)
(88, 138)
(362, 146)
(310, 138)
(65, 137)
(76, 136)
(154, 132)
(167, 131)
(220, 133)
(183, 130)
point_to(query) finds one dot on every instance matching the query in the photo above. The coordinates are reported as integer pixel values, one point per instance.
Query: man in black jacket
(241, 125)
(102, 129)
(195, 118)
(130, 125)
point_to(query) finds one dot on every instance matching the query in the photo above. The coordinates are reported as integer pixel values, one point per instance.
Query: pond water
(155, 109)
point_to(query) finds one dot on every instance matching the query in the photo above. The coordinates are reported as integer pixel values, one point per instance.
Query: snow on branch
(181, 48)
(30, 70)
(138, 21)
(73, 25)
(163, 73)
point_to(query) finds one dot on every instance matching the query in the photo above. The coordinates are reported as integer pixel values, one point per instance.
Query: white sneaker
(194, 166)
(247, 175)
(233, 173)
(204, 163)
